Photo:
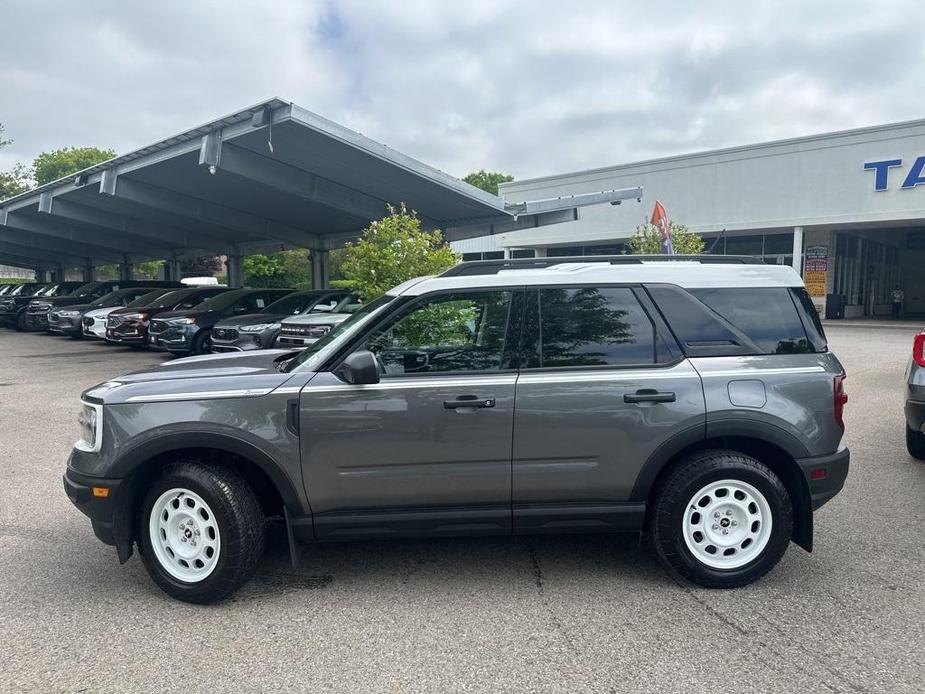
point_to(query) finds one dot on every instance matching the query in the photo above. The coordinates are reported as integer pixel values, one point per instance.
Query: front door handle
(468, 401)
(649, 395)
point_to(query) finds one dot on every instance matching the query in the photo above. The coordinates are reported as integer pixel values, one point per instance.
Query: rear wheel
(200, 531)
(915, 443)
(721, 519)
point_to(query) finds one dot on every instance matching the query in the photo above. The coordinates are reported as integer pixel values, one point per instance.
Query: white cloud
(530, 88)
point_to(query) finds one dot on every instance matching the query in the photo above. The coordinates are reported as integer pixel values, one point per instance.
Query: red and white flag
(660, 220)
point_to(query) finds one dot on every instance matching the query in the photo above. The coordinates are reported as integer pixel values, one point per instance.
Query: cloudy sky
(529, 88)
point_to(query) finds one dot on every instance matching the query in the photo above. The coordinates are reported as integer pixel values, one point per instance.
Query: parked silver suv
(692, 400)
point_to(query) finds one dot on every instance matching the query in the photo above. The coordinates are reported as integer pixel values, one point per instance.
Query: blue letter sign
(882, 168)
(915, 176)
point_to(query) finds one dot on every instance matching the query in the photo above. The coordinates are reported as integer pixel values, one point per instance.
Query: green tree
(392, 250)
(202, 265)
(50, 166)
(648, 240)
(15, 181)
(487, 180)
(148, 270)
(281, 269)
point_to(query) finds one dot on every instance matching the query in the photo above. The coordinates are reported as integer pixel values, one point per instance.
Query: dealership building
(846, 209)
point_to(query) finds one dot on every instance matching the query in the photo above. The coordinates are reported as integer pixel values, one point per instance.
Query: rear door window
(589, 326)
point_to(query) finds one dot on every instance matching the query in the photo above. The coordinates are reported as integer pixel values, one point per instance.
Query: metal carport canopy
(268, 177)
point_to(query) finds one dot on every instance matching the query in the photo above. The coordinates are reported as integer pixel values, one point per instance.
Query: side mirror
(360, 368)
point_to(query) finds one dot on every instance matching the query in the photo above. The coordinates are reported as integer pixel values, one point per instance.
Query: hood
(100, 312)
(318, 319)
(249, 319)
(237, 375)
(56, 301)
(73, 307)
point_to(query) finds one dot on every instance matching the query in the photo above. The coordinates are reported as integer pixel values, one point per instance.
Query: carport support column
(235, 265)
(89, 272)
(320, 269)
(126, 270)
(798, 250)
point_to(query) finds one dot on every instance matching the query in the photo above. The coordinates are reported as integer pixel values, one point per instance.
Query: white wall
(802, 182)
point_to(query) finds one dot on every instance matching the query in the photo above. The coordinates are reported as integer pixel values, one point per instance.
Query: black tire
(238, 515)
(202, 343)
(21, 322)
(915, 443)
(670, 506)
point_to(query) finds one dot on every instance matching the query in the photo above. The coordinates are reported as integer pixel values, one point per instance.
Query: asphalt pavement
(538, 614)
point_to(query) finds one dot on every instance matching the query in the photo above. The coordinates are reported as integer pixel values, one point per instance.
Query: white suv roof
(688, 273)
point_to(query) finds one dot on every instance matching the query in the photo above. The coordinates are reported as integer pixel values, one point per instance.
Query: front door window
(449, 333)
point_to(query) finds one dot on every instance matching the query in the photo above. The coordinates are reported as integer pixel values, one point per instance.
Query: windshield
(222, 301)
(84, 289)
(148, 299)
(310, 357)
(25, 289)
(293, 304)
(111, 299)
(47, 291)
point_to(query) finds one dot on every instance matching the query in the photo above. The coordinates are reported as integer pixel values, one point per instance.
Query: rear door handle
(649, 395)
(468, 401)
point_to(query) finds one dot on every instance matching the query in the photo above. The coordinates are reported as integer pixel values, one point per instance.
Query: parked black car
(259, 330)
(129, 326)
(13, 307)
(190, 332)
(37, 310)
(68, 320)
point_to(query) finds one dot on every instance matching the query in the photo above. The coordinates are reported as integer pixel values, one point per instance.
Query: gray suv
(915, 399)
(690, 400)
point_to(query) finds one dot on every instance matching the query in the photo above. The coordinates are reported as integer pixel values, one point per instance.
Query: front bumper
(85, 493)
(96, 330)
(174, 339)
(36, 321)
(64, 325)
(825, 475)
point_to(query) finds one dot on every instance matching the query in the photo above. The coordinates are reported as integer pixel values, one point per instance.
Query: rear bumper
(915, 415)
(830, 472)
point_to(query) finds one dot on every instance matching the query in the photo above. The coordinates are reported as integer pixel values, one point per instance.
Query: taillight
(918, 349)
(841, 397)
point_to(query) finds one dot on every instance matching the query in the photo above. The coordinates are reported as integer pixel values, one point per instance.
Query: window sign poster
(816, 259)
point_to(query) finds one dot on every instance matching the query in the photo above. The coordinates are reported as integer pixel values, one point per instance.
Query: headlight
(318, 330)
(256, 328)
(67, 314)
(181, 321)
(90, 421)
(131, 316)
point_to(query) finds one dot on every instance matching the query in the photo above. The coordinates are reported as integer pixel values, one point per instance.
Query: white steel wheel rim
(727, 524)
(184, 534)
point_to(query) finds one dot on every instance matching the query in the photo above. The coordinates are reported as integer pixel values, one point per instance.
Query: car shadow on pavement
(470, 564)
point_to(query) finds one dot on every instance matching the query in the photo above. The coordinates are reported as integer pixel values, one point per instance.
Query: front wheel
(915, 443)
(200, 531)
(721, 519)
(202, 343)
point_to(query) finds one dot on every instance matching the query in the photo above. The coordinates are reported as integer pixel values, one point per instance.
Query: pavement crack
(539, 580)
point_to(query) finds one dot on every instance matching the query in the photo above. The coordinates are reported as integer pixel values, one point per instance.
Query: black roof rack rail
(493, 267)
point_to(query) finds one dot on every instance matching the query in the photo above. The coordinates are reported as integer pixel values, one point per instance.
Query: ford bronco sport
(691, 399)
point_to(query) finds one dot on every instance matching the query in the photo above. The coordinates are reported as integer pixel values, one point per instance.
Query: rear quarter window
(766, 314)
